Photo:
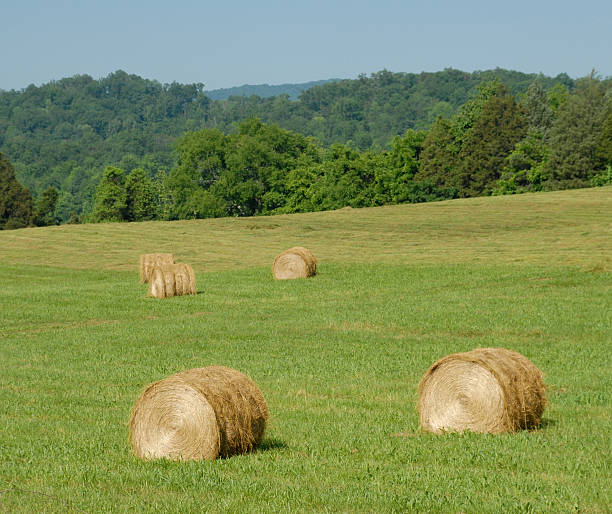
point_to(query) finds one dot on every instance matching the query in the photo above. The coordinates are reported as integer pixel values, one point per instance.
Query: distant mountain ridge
(265, 90)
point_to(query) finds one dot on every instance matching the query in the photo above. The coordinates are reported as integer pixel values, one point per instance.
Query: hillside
(64, 133)
(338, 357)
(566, 228)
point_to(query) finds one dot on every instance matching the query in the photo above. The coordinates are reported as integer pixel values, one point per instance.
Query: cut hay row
(198, 414)
(297, 262)
(148, 261)
(491, 390)
(172, 280)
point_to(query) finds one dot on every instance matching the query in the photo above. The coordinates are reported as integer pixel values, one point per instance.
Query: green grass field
(338, 357)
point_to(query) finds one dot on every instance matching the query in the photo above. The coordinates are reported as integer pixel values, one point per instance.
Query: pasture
(337, 356)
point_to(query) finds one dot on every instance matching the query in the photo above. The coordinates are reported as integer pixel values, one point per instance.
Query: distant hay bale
(489, 390)
(198, 414)
(297, 262)
(172, 280)
(184, 278)
(148, 261)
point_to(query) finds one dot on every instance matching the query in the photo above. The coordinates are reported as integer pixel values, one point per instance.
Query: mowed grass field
(338, 357)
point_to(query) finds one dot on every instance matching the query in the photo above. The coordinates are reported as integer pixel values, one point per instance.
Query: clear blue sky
(229, 43)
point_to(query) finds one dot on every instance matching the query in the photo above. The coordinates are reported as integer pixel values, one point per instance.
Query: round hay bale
(181, 281)
(489, 390)
(172, 280)
(173, 420)
(198, 414)
(184, 279)
(157, 287)
(168, 274)
(297, 262)
(148, 261)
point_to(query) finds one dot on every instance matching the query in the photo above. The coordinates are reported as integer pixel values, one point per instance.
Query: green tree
(500, 125)
(603, 151)
(245, 171)
(525, 168)
(526, 165)
(300, 188)
(576, 134)
(347, 179)
(438, 161)
(140, 197)
(44, 213)
(110, 201)
(470, 111)
(394, 176)
(539, 114)
(557, 96)
(201, 162)
(16, 204)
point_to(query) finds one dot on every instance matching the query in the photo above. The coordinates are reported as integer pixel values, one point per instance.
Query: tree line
(63, 134)
(497, 142)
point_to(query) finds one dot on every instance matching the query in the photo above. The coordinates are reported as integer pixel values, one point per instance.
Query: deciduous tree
(141, 203)
(110, 201)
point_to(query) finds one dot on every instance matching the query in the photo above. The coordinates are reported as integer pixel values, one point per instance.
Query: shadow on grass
(271, 444)
(547, 423)
(265, 446)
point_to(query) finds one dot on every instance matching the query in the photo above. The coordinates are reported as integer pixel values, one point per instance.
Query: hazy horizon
(273, 43)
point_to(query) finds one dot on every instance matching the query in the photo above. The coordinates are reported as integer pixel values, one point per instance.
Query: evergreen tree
(438, 159)
(500, 125)
(538, 111)
(575, 135)
(603, 152)
(110, 201)
(525, 168)
(16, 204)
(44, 214)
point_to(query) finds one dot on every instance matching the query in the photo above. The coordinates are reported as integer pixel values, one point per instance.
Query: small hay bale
(157, 287)
(148, 261)
(172, 280)
(297, 262)
(185, 279)
(198, 414)
(489, 390)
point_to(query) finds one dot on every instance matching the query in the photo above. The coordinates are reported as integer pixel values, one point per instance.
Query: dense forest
(125, 148)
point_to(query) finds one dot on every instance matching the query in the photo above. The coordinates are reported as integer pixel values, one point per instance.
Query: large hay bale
(297, 262)
(490, 390)
(201, 413)
(148, 261)
(172, 280)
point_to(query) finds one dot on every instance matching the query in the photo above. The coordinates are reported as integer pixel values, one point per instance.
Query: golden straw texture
(148, 261)
(202, 413)
(297, 262)
(171, 419)
(489, 390)
(172, 280)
